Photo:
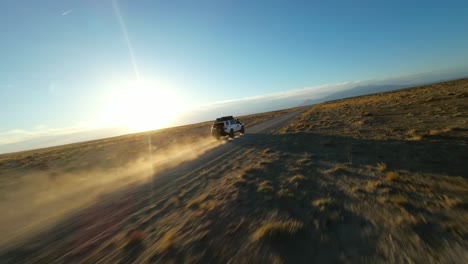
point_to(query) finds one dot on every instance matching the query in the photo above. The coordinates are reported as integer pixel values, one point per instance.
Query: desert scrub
(451, 202)
(321, 203)
(396, 199)
(136, 236)
(438, 132)
(252, 170)
(381, 166)
(297, 179)
(413, 135)
(265, 187)
(285, 193)
(371, 186)
(392, 176)
(278, 230)
(306, 160)
(208, 205)
(167, 241)
(267, 151)
(336, 169)
(240, 181)
(197, 201)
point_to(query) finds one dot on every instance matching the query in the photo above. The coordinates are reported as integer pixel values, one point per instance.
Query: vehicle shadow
(435, 157)
(290, 221)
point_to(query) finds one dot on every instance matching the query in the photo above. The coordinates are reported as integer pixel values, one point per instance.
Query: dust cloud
(36, 201)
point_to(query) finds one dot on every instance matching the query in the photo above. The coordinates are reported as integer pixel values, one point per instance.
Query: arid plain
(377, 178)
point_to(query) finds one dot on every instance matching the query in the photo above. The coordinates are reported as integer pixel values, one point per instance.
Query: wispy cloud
(308, 92)
(66, 12)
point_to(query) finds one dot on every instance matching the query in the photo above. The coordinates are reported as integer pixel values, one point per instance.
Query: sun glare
(142, 105)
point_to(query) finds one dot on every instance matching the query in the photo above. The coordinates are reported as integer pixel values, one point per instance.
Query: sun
(141, 106)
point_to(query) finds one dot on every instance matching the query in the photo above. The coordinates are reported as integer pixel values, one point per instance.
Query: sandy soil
(380, 178)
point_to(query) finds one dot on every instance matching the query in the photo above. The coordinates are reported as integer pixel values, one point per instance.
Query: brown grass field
(378, 178)
(39, 187)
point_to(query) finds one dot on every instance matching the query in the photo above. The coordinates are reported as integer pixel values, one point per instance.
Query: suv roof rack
(225, 118)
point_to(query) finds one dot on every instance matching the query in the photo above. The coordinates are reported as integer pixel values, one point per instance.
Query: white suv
(226, 125)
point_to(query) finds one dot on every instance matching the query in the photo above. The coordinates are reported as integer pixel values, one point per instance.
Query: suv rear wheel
(242, 130)
(231, 133)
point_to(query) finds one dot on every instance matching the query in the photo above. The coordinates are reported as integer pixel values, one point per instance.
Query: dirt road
(90, 235)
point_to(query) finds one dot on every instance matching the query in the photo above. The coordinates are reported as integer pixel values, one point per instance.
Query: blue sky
(62, 60)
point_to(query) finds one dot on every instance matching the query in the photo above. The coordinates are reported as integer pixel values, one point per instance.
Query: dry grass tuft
(392, 176)
(278, 230)
(322, 202)
(405, 220)
(167, 241)
(268, 151)
(240, 181)
(304, 161)
(297, 179)
(265, 187)
(336, 169)
(252, 170)
(197, 201)
(438, 132)
(208, 205)
(373, 185)
(136, 236)
(398, 199)
(381, 166)
(263, 163)
(413, 135)
(382, 199)
(451, 202)
(285, 193)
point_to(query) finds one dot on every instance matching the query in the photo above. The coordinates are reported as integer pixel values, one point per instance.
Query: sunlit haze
(141, 105)
(120, 66)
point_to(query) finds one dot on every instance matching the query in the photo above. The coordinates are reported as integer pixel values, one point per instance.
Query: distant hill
(356, 91)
